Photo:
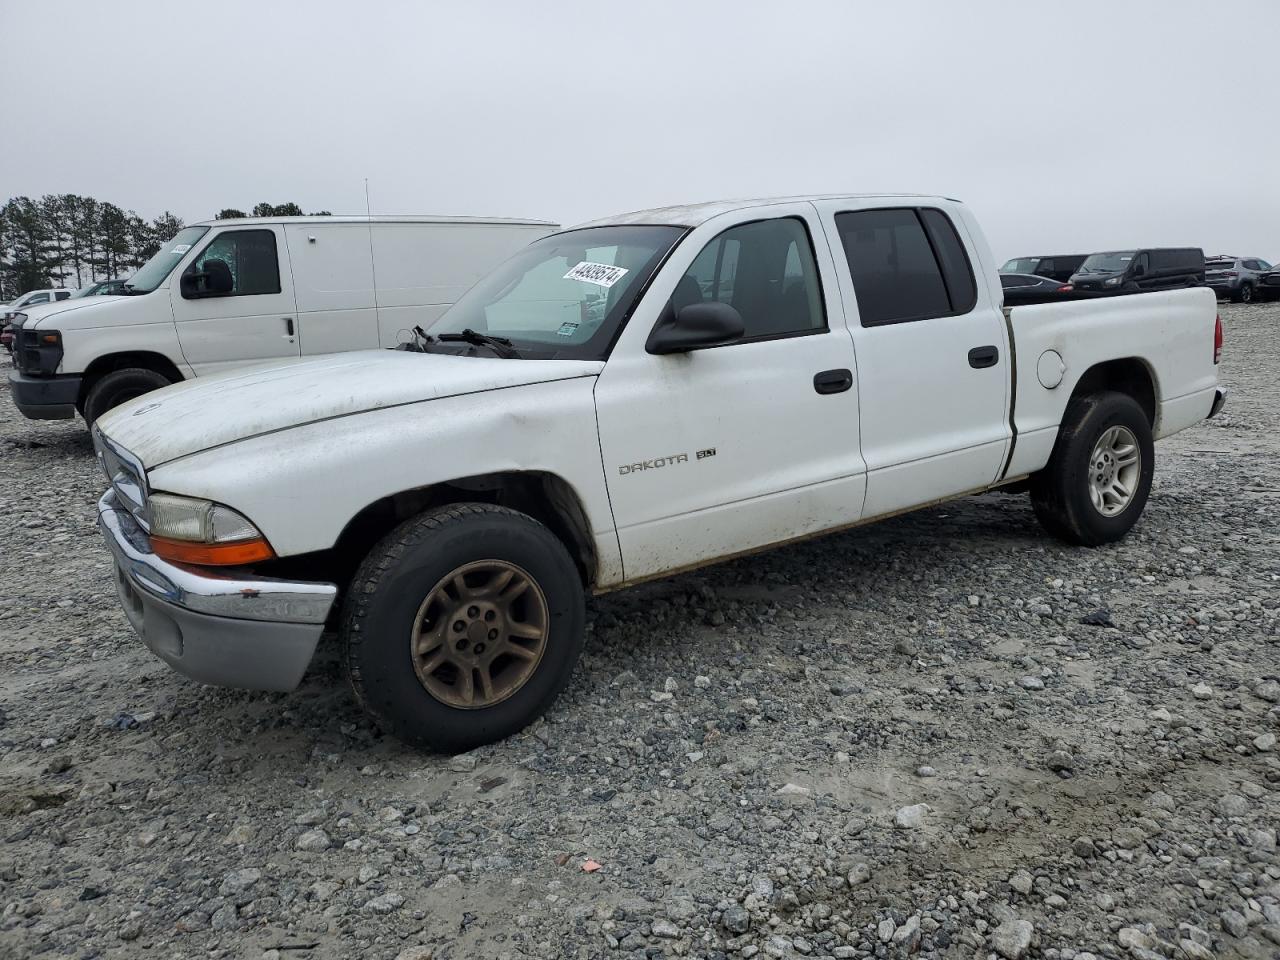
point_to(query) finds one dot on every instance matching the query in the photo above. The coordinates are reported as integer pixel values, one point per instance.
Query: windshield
(1021, 265)
(1107, 262)
(161, 265)
(565, 296)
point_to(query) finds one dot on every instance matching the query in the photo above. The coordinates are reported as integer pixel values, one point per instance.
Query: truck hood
(223, 408)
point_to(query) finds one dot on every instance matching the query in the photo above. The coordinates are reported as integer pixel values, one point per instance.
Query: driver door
(256, 320)
(726, 449)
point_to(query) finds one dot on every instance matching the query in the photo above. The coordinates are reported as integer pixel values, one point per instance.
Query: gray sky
(1066, 126)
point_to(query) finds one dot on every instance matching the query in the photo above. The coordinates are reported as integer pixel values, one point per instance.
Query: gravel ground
(945, 734)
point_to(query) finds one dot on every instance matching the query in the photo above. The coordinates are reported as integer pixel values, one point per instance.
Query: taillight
(1217, 339)
(1065, 288)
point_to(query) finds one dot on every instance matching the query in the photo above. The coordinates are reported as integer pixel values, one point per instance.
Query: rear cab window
(907, 264)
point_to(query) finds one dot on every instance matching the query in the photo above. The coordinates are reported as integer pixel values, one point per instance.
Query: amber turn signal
(234, 554)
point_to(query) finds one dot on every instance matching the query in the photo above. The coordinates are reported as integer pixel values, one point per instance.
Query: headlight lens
(1113, 282)
(191, 530)
(201, 521)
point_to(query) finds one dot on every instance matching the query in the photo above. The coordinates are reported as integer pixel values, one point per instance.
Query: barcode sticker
(601, 274)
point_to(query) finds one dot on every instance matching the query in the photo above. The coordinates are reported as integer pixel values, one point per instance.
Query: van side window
(61, 294)
(764, 270)
(906, 265)
(251, 257)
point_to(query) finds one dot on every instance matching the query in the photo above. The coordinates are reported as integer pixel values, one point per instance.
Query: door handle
(980, 357)
(288, 325)
(832, 381)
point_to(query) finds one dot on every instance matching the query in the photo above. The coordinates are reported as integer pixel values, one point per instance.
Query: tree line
(66, 240)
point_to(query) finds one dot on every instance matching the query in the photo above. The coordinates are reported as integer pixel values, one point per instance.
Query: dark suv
(1235, 277)
(1140, 271)
(1269, 285)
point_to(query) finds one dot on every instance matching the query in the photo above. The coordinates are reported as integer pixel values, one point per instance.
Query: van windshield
(1107, 262)
(562, 297)
(161, 265)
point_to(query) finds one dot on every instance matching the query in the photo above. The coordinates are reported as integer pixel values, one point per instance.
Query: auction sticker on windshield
(601, 274)
(180, 249)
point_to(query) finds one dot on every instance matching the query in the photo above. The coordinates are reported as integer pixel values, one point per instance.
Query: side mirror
(214, 280)
(694, 326)
(1139, 270)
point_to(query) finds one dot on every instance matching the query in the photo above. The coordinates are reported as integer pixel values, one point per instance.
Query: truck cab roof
(695, 214)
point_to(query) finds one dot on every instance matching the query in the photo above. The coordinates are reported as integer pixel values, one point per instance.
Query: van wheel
(462, 626)
(117, 387)
(1096, 483)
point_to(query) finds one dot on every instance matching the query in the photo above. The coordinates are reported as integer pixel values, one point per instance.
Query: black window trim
(257, 293)
(765, 337)
(928, 235)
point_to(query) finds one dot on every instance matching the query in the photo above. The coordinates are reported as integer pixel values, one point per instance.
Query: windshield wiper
(499, 345)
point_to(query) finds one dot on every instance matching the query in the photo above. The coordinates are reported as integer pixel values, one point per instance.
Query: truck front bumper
(230, 630)
(45, 398)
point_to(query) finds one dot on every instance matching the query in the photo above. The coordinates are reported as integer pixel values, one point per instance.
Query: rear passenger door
(932, 352)
(256, 320)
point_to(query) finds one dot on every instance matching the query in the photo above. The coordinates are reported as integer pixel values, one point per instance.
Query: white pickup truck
(621, 401)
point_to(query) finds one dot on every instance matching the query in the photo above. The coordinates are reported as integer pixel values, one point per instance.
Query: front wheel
(117, 387)
(463, 625)
(1096, 482)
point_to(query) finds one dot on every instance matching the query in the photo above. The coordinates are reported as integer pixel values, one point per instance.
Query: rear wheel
(117, 387)
(1096, 483)
(463, 625)
(1246, 293)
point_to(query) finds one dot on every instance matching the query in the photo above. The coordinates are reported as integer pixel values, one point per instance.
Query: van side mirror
(1139, 270)
(695, 326)
(212, 280)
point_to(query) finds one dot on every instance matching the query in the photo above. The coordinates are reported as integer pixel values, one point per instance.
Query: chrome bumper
(231, 631)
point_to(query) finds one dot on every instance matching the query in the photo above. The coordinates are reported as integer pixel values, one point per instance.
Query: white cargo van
(226, 293)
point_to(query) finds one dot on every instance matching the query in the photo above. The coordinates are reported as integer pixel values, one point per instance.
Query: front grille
(126, 475)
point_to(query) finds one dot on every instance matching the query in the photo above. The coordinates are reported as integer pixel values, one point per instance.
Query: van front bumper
(45, 398)
(231, 630)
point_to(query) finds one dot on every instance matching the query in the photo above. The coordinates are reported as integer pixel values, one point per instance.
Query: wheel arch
(1132, 376)
(545, 496)
(147, 359)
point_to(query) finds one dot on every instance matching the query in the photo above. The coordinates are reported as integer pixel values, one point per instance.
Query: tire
(395, 595)
(1061, 493)
(117, 387)
(1246, 293)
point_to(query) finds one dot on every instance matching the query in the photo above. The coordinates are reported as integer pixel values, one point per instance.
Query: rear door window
(906, 264)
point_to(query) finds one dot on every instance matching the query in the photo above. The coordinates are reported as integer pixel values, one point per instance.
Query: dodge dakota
(624, 400)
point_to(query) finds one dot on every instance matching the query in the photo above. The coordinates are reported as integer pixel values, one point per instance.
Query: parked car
(103, 288)
(33, 298)
(1021, 285)
(448, 506)
(1234, 277)
(1132, 271)
(226, 293)
(1058, 267)
(1268, 285)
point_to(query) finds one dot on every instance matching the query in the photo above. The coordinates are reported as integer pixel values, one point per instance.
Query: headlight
(1113, 282)
(190, 530)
